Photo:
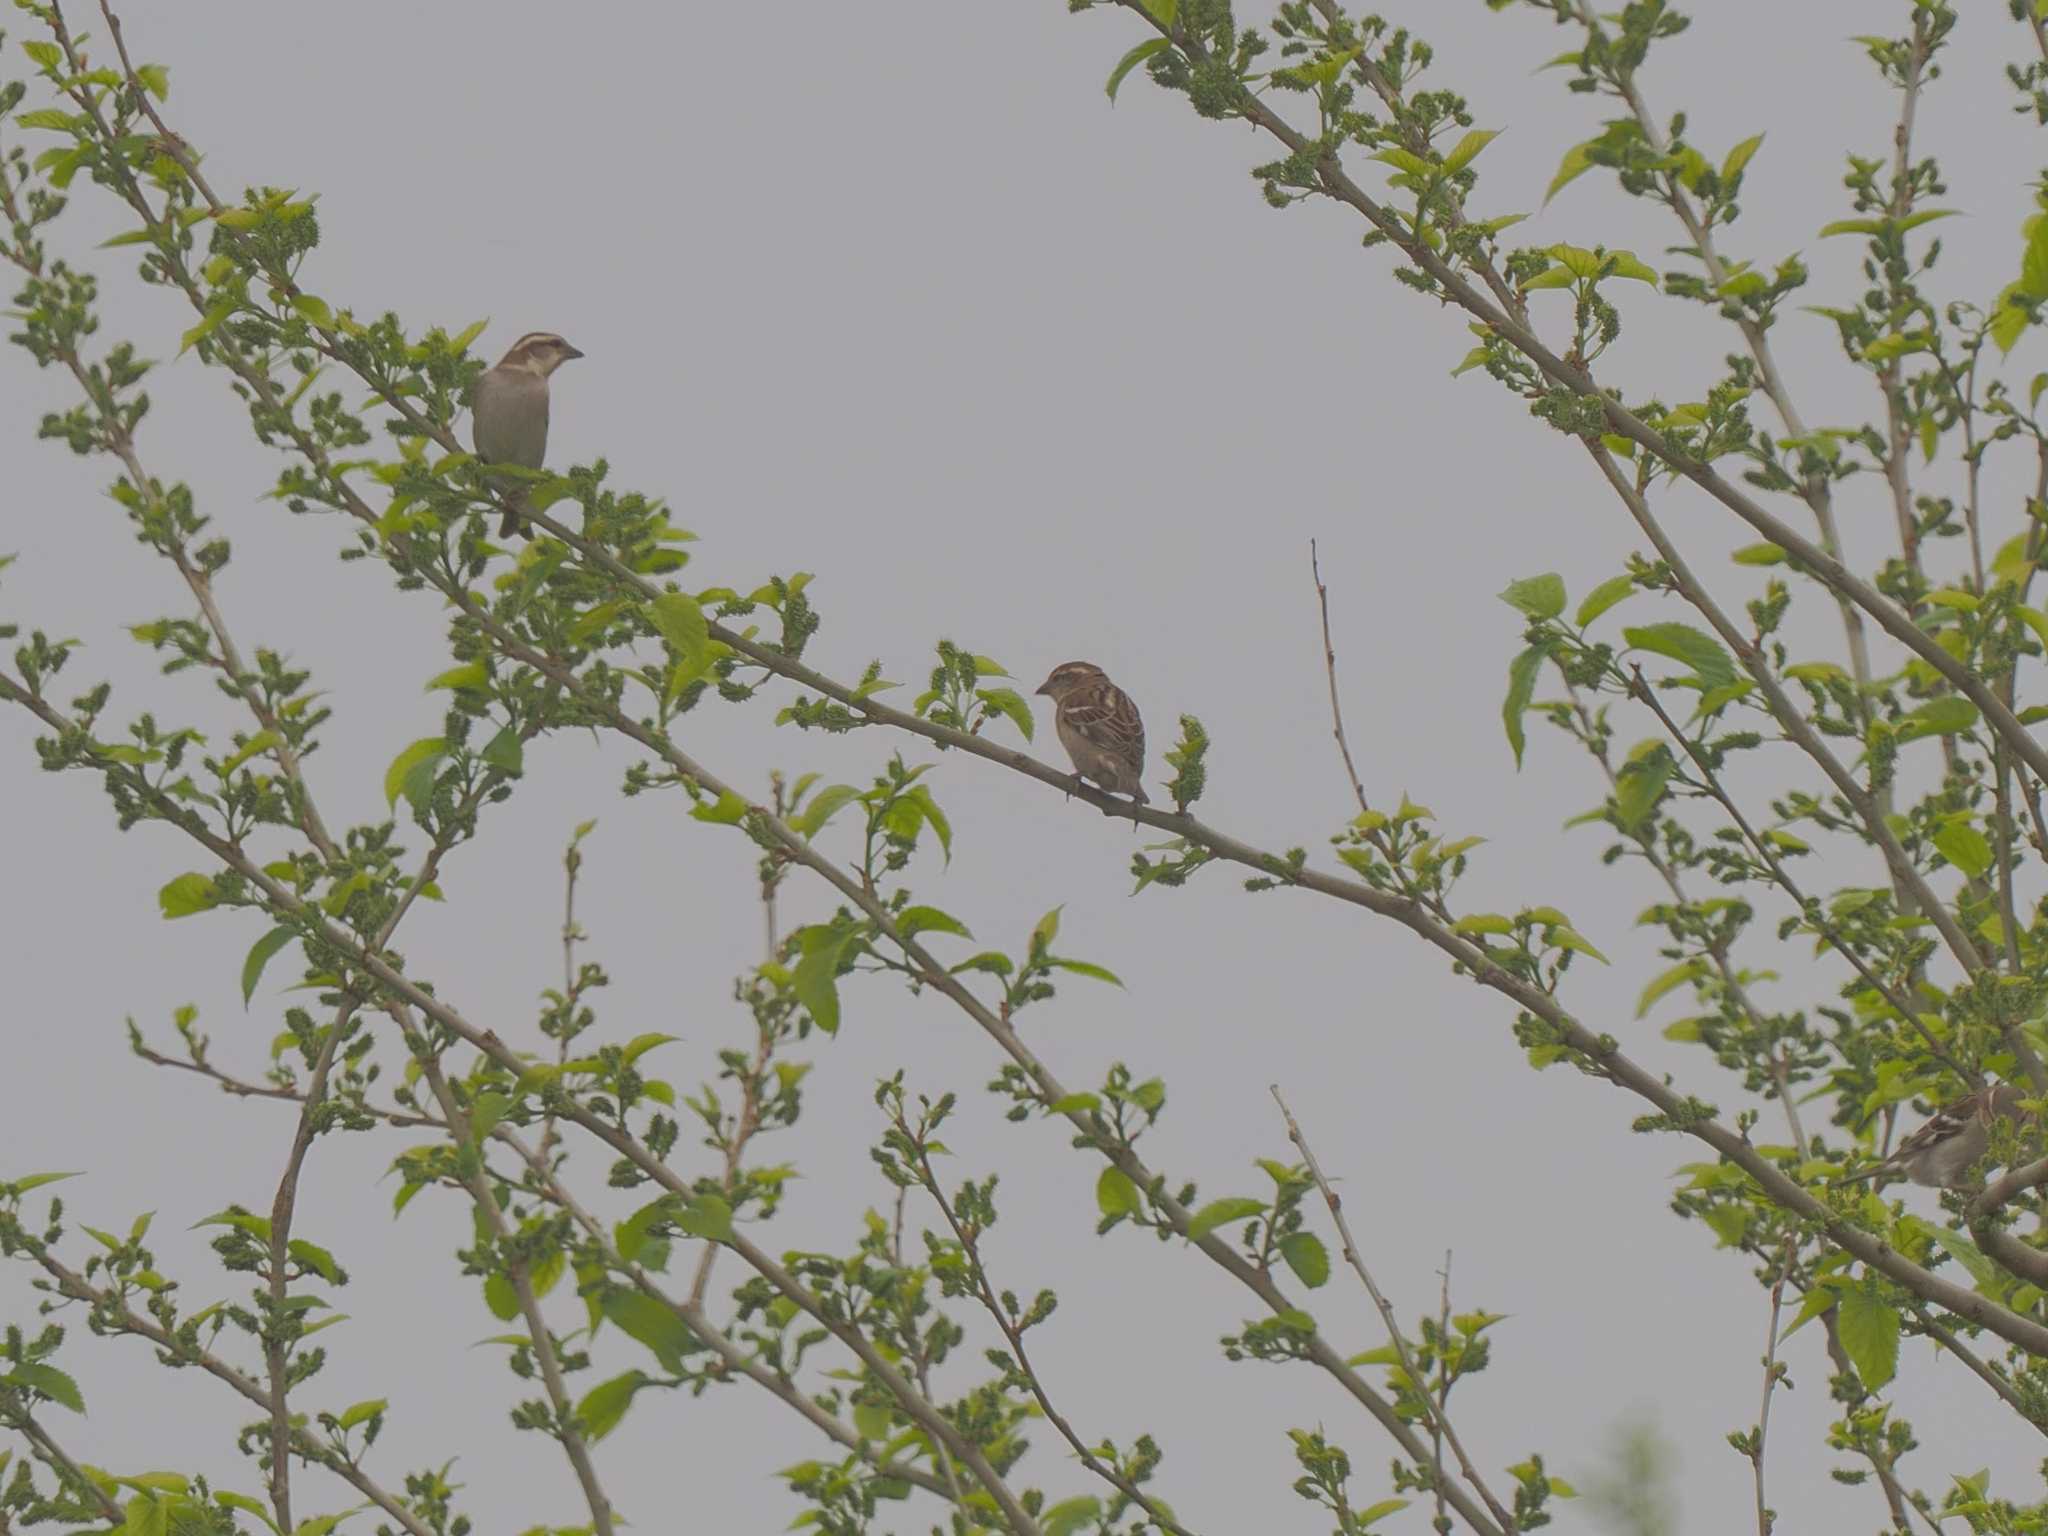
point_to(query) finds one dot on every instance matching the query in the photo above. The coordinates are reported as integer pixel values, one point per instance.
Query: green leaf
(1869, 1330)
(210, 322)
(156, 79)
(1483, 922)
(186, 895)
(1965, 847)
(707, 1217)
(1677, 976)
(1540, 597)
(1011, 703)
(48, 1380)
(1521, 688)
(1706, 656)
(816, 980)
(1739, 156)
(1944, 716)
(362, 1413)
(1467, 149)
(501, 1298)
(311, 1256)
(1604, 597)
(655, 1324)
(915, 920)
(821, 810)
(1132, 60)
(1116, 1193)
(1307, 1257)
(1364, 1519)
(1575, 164)
(683, 625)
(631, 1235)
(1638, 788)
(506, 753)
(1070, 1516)
(485, 1114)
(1760, 554)
(1217, 1212)
(1083, 968)
(728, 810)
(260, 954)
(427, 749)
(603, 1406)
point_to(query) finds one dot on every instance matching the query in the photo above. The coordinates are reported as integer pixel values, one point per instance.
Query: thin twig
(1766, 1517)
(567, 1431)
(1439, 1422)
(1014, 1335)
(1330, 667)
(1443, 1384)
(68, 1470)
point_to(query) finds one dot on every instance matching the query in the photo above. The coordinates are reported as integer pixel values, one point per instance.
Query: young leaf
(1869, 1330)
(260, 954)
(427, 749)
(1706, 656)
(605, 1405)
(1540, 597)
(1521, 687)
(1116, 1194)
(1217, 1212)
(186, 895)
(1307, 1257)
(1604, 597)
(1131, 61)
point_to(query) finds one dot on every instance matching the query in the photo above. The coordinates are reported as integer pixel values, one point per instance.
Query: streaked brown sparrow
(1940, 1152)
(1099, 726)
(509, 414)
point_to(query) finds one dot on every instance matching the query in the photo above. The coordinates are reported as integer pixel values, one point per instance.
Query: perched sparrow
(1942, 1150)
(509, 413)
(1099, 726)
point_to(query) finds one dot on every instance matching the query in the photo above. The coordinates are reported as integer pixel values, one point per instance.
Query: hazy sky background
(891, 294)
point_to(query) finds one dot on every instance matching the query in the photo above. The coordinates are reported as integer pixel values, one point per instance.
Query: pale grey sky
(893, 295)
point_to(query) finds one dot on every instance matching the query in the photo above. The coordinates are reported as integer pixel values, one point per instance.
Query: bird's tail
(513, 522)
(1138, 794)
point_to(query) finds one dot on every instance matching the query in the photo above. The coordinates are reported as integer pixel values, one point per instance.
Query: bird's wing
(1104, 714)
(510, 418)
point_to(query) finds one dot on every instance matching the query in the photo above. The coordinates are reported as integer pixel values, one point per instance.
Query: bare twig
(1766, 1517)
(1330, 667)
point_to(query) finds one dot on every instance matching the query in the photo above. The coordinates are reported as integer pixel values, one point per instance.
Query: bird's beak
(1045, 688)
(572, 354)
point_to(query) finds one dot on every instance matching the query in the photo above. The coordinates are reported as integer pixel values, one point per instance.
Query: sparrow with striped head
(509, 415)
(1940, 1152)
(1099, 726)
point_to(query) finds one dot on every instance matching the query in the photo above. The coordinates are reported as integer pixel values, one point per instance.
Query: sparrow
(509, 414)
(1942, 1151)
(1099, 726)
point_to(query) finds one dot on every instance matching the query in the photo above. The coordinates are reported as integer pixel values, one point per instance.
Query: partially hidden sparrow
(1940, 1152)
(1099, 726)
(509, 415)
